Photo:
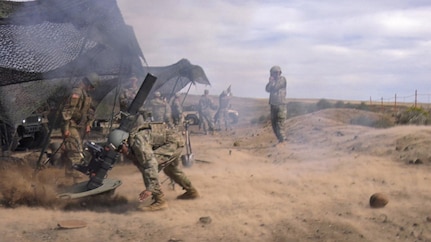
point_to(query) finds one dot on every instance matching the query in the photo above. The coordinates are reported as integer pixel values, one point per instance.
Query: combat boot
(191, 193)
(158, 204)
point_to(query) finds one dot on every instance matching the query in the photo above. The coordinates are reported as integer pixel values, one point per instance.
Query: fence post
(416, 98)
(395, 103)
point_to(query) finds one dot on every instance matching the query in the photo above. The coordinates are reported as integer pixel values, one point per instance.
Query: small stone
(378, 200)
(205, 220)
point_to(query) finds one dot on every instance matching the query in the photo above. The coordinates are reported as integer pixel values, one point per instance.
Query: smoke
(51, 42)
(22, 185)
(19, 186)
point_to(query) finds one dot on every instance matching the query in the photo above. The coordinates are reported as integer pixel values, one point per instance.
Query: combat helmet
(157, 94)
(275, 69)
(92, 79)
(117, 137)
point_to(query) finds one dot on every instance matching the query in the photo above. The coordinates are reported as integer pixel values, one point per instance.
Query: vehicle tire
(192, 119)
(233, 118)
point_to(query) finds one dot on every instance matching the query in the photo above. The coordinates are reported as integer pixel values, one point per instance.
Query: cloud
(327, 49)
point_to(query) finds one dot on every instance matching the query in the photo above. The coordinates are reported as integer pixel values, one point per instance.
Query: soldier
(277, 99)
(177, 110)
(205, 116)
(153, 147)
(78, 116)
(128, 94)
(160, 109)
(222, 115)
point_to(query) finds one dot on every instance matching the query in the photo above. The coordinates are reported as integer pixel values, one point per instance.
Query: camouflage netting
(47, 45)
(173, 78)
(170, 80)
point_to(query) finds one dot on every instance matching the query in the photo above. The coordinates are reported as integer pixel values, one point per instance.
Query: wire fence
(422, 100)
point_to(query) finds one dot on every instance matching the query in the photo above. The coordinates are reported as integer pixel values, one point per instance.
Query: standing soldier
(277, 99)
(177, 110)
(78, 116)
(128, 94)
(222, 115)
(160, 109)
(205, 116)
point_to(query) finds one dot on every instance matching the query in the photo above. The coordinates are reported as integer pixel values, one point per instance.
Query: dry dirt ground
(316, 187)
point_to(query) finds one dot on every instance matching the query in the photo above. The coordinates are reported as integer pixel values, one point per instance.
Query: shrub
(339, 104)
(363, 106)
(383, 122)
(413, 115)
(323, 104)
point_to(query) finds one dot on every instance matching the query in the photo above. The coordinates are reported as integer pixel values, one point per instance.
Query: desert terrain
(316, 187)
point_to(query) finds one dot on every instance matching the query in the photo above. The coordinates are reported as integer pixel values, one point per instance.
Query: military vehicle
(30, 133)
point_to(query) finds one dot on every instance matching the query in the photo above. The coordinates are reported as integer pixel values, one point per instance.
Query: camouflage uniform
(177, 111)
(155, 147)
(77, 114)
(222, 115)
(128, 94)
(160, 110)
(205, 116)
(126, 98)
(277, 99)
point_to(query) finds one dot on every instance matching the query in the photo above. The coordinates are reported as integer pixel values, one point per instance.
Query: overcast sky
(348, 50)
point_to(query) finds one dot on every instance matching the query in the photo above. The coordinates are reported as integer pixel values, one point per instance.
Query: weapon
(133, 110)
(142, 94)
(102, 159)
(98, 159)
(188, 158)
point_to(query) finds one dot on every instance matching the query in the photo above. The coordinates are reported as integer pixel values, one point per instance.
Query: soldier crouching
(153, 147)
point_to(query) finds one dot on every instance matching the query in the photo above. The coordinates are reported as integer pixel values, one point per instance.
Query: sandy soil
(316, 187)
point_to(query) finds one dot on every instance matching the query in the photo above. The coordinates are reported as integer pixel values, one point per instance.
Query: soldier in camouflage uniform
(277, 99)
(128, 94)
(160, 109)
(177, 110)
(222, 116)
(153, 147)
(78, 116)
(205, 115)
